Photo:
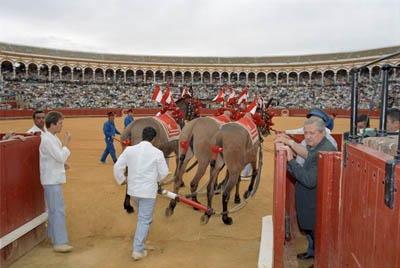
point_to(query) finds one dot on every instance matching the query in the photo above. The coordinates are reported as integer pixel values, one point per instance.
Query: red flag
(253, 106)
(220, 96)
(231, 97)
(261, 102)
(242, 97)
(157, 95)
(166, 97)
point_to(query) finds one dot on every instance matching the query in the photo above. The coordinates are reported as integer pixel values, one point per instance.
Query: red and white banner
(157, 95)
(185, 92)
(220, 97)
(242, 97)
(261, 103)
(253, 106)
(231, 97)
(167, 98)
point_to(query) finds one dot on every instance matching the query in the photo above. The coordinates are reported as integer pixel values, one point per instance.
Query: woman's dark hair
(148, 133)
(53, 118)
(363, 118)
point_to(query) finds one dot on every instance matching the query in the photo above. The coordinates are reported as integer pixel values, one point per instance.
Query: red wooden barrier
(22, 198)
(327, 216)
(370, 231)
(279, 207)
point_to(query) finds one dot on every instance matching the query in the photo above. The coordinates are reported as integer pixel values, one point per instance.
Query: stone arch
(159, 77)
(364, 75)
(149, 76)
(196, 77)
(55, 73)
(77, 73)
(215, 77)
(33, 71)
(178, 77)
(66, 73)
(169, 77)
(341, 76)
(271, 78)
(110, 76)
(304, 78)
(282, 77)
(140, 76)
(316, 77)
(119, 76)
(224, 77)
(293, 78)
(233, 78)
(251, 78)
(206, 77)
(242, 78)
(7, 70)
(99, 75)
(130, 76)
(375, 73)
(44, 72)
(88, 74)
(187, 77)
(329, 77)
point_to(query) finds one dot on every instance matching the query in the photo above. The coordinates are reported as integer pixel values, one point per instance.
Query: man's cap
(110, 113)
(318, 112)
(130, 111)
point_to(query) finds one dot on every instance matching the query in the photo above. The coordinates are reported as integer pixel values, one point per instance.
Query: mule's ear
(269, 102)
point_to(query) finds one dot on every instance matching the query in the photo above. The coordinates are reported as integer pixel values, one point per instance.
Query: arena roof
(300, 59)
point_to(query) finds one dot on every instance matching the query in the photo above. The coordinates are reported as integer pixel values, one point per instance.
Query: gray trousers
(56, 228)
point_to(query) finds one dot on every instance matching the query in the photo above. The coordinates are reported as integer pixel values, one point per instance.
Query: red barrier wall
(21, 193)
(13, 113)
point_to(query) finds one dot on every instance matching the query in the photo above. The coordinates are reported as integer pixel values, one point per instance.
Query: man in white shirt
(146, 167)
(38, 120)
(53, 158)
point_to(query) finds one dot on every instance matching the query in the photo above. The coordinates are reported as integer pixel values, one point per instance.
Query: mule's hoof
(204, 219)
(227, 220)
(195, 208)
(246, 194)
(237, 200)
(169, 212)
(129, 209)
(182, 185)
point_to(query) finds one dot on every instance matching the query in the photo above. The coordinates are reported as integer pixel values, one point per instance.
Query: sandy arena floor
(101, 232)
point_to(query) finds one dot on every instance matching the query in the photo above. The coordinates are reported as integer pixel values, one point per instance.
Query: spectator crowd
(37, 95)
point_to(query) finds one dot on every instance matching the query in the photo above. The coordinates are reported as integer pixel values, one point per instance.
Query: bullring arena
(99, 228)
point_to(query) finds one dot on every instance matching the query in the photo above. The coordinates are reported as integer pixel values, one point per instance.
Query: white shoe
(139, 255)
(63, 248)
(149, 247)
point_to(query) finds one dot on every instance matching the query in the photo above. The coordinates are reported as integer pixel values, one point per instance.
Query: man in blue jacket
(129, 118)
(109, 131)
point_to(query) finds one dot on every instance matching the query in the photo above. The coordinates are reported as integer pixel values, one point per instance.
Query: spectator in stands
(306, 177)
(53, 157)
(393, 120)
(362, 122)
(109, 131)
(129, 118)
(38, 120)
(11, 135)
(146, 167)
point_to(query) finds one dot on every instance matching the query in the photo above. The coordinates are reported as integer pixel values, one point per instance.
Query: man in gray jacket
(306, 176)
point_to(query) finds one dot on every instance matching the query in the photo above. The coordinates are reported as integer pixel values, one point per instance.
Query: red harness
(171, 128)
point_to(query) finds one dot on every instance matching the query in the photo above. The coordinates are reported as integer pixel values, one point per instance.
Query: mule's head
(189, 106)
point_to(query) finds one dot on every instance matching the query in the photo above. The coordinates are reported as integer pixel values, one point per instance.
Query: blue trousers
(145, 207)
(247, 170)
(109, 150)
(56, 228)
(310, 238)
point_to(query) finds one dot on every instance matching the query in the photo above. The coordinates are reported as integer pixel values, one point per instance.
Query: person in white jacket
(38, 122)
(53, 158)
(146, 167)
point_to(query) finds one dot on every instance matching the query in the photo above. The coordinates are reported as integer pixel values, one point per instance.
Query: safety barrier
(14, 113)
(22, 200)
(284, 209)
